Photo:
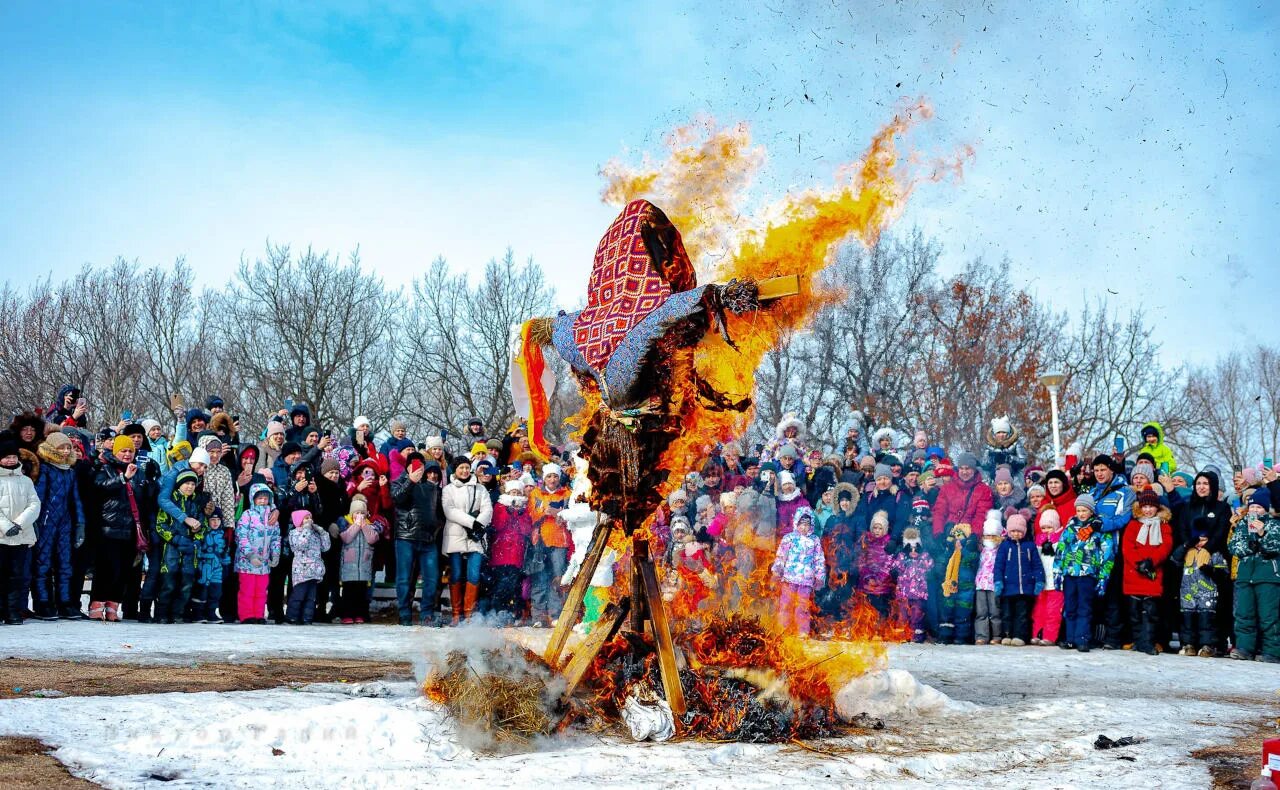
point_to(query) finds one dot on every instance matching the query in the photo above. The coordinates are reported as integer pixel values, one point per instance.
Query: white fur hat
(434, 443)
(513, 487)
(361, 421)
(552, 469)
(199, 456)
(1001, 425)
(993, 524)
(148, 424)
(786, 477)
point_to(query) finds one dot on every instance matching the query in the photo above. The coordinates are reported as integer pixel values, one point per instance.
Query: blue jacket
(167, 483)
(59, 493)
(211, 556)
(1115, 504)
(1019, 569)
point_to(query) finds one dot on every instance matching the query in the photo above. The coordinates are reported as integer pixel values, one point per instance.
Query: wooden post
(574, 600)
(662, 637)
(604, 629)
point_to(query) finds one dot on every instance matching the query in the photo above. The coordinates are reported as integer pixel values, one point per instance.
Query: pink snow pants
(1046, 616)
(793, 607)
(251, 599)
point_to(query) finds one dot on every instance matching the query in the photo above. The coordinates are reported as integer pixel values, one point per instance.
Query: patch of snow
(893, 693)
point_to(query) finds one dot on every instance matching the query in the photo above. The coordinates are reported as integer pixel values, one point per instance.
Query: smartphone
(288, 404)
(81, 402)
(1164, 467)
(1119, 443)
(126, 415)
(1269, 462)
(1236, 469)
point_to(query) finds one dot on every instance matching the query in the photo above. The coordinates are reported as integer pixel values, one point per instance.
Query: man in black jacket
(419, 522)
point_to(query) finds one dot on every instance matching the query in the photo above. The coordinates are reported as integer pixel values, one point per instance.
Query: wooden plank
(662, 636)
(573, 602)
(604, 629)
(778, 287)
(639, 611)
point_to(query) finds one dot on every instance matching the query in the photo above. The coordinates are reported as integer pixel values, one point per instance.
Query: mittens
(1084, 533)
(12, 532)
(1039, 588)
(1047, 549)
(79, 540)
(999, 589)
(334, 531)
(1102, 587)
(1146, 568)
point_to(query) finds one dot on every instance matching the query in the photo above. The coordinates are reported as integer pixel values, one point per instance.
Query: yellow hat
(121, 443)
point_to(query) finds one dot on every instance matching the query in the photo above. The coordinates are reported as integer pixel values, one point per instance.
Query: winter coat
(1259, 554)
(1159, 451)
(256, 539)
(961, 503)
(391, 449)
(1010, 453)
(985, 578)
(419, 513)
(1083, 556)
(58, 415)
(913, 574)
(787, 509)
(211, 557)
(357, 549)
(543, 507)
(296, 433)
(1064, 504)
(874, 565)
(1114, 505)
(175, 532)
(1133, 552)
(18, 505)
(511, 529)
(799, 561)
(464, 504)
(1207, 515)
(1018, 570)
(839, 543)
(159, 452)
(308, 544)
(1198, 590)
(61, 506)
(164, 497)
(377, 496)
(220, 485)
(115, 512)
(967, 571)
(894, 503)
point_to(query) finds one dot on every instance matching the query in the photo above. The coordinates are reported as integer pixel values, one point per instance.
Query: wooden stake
(574, 600)
(605, 628)
(662, 636)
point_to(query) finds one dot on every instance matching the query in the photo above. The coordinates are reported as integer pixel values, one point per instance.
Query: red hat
(944, 468)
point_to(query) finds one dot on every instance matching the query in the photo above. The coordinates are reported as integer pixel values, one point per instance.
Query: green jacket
(1159, 451)
(1259, 554)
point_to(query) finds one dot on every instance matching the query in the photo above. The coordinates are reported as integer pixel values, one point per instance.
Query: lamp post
(1052, 381)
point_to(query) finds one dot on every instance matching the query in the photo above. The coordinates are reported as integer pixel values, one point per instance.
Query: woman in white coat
(468, 511)
(19, 508)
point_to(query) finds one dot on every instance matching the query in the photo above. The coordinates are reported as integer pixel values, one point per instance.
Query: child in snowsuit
(1019, 576)
(511, 530)
(211, 558)
(912, 565)
(257, 552)
(1255, 540)
(1081, 564)
(178, 556)
(358, 533)
(801, 569)
(955, 614)
(987, 627)
(1198, 595)
(309, 541)
(1046, 617)
(60, 529)
(875, 564)
(1147, 540)
(19, 509)
(690, 577)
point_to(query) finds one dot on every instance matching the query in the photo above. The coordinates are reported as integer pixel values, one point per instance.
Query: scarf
(1149, 534)
(951, 582)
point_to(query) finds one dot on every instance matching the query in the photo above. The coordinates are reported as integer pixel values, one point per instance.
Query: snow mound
(896, 694)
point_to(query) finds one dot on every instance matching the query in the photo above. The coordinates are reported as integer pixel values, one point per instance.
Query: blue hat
(1262, 497)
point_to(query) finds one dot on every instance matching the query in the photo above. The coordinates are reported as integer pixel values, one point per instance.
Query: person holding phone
(1255, 541)
(1153, 442)
(68, 408)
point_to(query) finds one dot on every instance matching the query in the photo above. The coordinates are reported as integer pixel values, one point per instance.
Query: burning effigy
(666, 369)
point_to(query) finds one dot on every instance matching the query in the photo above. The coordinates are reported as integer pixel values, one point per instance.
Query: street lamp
(1052, 381)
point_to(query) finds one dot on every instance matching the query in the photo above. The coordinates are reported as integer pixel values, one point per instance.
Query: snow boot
(469, 594)
(144, 611)
(46, 611)
(456, 604)
(17, 603)
(97, 610)
(113, 612)
(70, 611)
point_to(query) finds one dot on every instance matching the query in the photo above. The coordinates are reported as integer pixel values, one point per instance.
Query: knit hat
(199, 456)
(890, 459)
(679, 495)
(1001, 425)
(920, 436)
(330, 465)
(1261, 497)
(845, 491)
(397, 424)
(361, 422)
(944, 468)
(289, 448)
(880, 517)
(9, 444)
(1003, 475)
(867, 463)
(920, 504)
(148, 424)
(274, 427)
(1150, 430)
(1145, 469)
(910, 535)
(358, 505)
(728, 499)
(1050, 520)
(460, 461)
(208, 441)
(433, 443)
(493, 445)
(1016, 521)
(134, 429)
(786, 477)
(552, 469)
(883, 470)
(1250, 476)
(186, 475)
(702, 503)
(788, 451)
(992, 525)
(1086, 500)
(967, 459)
(300, 516)
(680, 524)
(479, 448)
(1147, 497)
(121, 443)
(513, 487)
(1037, 488)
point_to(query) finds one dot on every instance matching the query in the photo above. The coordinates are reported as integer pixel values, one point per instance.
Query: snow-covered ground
(1000, 717)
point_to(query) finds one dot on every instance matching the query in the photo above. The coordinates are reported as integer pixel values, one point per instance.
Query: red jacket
(962, 503)
(1133, 553)
(511, 530)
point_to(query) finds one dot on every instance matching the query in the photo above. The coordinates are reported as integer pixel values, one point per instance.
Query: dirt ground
(81, 679)
(1235, 765)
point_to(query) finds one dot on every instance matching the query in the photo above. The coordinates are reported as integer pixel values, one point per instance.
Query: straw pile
(501, 695)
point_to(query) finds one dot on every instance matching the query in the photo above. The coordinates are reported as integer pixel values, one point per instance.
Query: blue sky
(1130, 147)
